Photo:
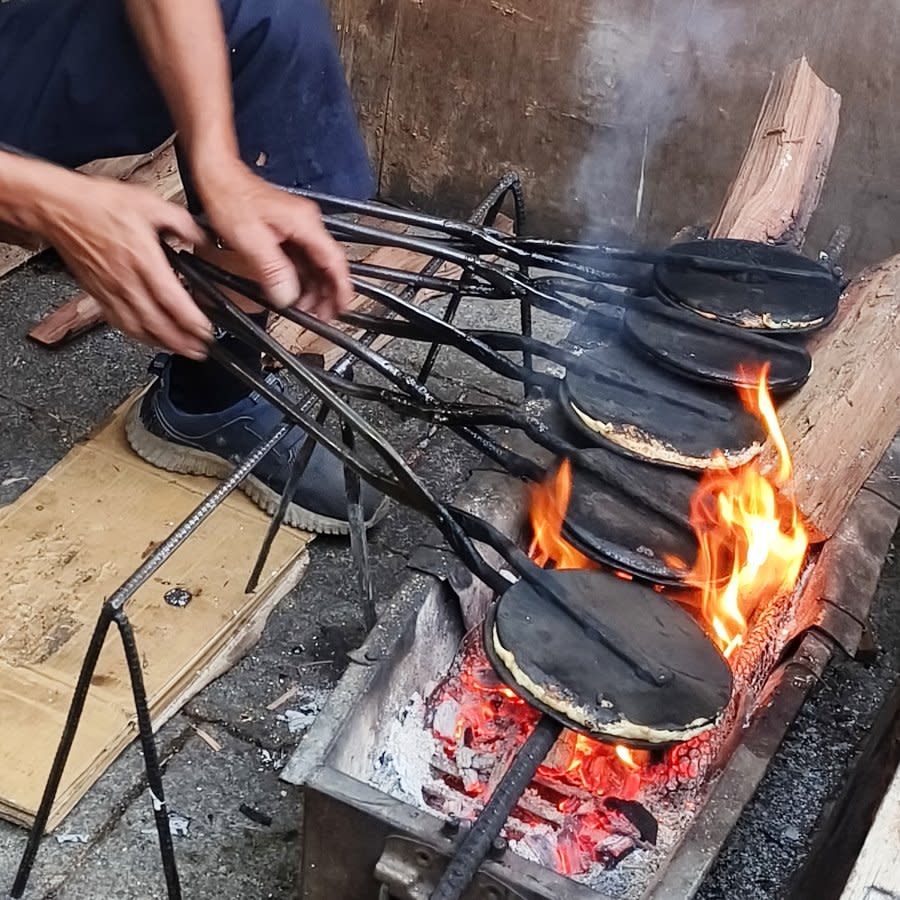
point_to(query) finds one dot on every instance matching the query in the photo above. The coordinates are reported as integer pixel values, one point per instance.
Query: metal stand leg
(109, 614)
(434, 349)
(151, 757)
(486, 214)
(298, 467)
(62, 752)
(359, 541)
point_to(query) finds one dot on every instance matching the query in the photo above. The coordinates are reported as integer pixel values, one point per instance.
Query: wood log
(781, 177)
(844, 418)
(842, 421)
(80, 313)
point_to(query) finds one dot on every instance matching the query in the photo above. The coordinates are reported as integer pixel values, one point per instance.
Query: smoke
(639, 80)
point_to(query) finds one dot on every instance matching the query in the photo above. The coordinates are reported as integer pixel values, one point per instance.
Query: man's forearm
(28, 188)
(184, 45)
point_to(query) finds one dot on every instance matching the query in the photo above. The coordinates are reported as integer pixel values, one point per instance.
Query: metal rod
(465, 285)
(435, 348)
(116, 603)
(151, 757)
(63, 749)
(531, 251)
(422, 282)
(477, 843)
(298, 467)
(515, 463)
(359, 544)
(406, 486)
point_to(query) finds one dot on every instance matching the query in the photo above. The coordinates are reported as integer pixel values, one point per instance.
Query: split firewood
(843, 419)
(781, 177)
(80, 313)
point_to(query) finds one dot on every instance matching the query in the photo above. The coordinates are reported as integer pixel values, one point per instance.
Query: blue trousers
(74, 87)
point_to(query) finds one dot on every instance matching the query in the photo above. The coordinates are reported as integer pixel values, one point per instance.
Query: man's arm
(184, 45)
(279, 236)
(108, 234)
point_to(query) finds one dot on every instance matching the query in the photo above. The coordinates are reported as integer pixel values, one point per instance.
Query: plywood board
(68, 543)
(876, 875)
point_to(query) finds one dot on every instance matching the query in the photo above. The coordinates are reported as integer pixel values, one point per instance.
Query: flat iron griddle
(712, 352)
(549, 660)
(756, 302)
(634, 406)
(607, 524)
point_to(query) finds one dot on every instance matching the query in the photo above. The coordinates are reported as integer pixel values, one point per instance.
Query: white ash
(403, 768)
(537, 845)
(445, 718)
(304, 712)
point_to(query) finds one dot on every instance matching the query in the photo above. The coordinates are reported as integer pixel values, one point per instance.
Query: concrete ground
(242, 825)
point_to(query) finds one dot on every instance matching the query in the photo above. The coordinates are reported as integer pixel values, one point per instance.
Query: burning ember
(583, 795)
(752, 547)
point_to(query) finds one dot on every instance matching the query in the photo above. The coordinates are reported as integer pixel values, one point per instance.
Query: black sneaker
(212, 443)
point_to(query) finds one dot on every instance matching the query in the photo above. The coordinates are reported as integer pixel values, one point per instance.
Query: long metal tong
(559, 255)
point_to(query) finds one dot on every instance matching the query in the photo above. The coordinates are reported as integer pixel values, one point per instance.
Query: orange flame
(751, 542)
(627, 757)
(549, 502)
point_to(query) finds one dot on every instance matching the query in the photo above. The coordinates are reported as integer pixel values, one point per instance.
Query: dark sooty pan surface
(712, 352)
(607, 524)
(753, 301)
(551, 661)
(642, 409)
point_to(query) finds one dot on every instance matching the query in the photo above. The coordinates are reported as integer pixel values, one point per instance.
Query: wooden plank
(877, 870)
(781, 177)
(125, 167)
(567, 92)
(367, 36)
(844, 418)
(69, 542)
(75, 316)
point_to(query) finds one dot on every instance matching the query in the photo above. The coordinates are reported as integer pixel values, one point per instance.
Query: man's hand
(280, 238)
(108, 234)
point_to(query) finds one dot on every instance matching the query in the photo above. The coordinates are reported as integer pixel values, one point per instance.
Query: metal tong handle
(405, 485)
(501, 278)
(464, 419)
(537, 251)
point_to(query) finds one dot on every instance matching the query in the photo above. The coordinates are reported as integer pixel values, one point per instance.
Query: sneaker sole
(190, 461)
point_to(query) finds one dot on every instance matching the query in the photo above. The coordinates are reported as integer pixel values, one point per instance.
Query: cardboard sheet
(65, 546)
